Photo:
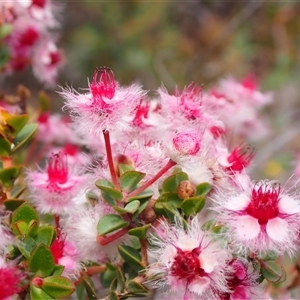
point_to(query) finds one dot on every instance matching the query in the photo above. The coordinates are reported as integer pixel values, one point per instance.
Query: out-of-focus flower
(52, 190)
(260, 218)
(189, 262)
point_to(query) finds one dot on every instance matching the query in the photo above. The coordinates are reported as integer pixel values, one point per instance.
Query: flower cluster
(29, 41)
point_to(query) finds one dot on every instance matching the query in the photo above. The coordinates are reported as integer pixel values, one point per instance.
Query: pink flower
(10, 280)
(189, 262)
(106, 106)
(261, 218)
(52, 190)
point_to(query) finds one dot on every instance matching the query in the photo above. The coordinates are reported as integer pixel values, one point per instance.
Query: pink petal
(288, 205)
(277, 229)
(200, 285)
(238, 203)
(247, 227)
(207, 260)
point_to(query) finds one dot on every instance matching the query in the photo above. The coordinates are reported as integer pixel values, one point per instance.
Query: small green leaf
(170, 198)
(5, 146)
(44, 101)
(102, 182)
(17, 191)
(120, 280)
(58, 270)
(130, 179)
(19, 228)
(135, 287)
(110, 223)
(144, 195)
(169, 210)
(26, 213)
(27, 246)
(203, 189)
(108, 276)
(272, 271)
(45, 235)
(130, 208)
(33, 227)
(9, 175)
(58, 286)
(110, 195)
(209, 225)
(113, 296)
(41, 262)
(191, 206)
(140, 232)
(143, 204)
(38, 294)
(13, 204)
(89, 287)
(131, 256)
(16, 124)
(5, 30)
(170, 184)
(24, 136)
(125, 168)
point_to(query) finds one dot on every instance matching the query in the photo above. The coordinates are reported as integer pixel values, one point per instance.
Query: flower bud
(148, 215)
(186, 189)
(122, 159)
(187, 142)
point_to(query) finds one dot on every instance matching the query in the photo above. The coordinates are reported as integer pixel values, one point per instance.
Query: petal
(277, 229)
(288, 205)
(207, 260)
(247, 227)
(200, 285)
(187, 244)
(238, 202)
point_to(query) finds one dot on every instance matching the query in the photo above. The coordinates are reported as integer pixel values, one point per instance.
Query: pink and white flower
(189, 262)
(52, 190)
(106, 106)
(260, 218)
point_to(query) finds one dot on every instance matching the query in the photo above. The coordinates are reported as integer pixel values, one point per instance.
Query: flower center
(264, 203)
(58, 169)
(105, 86)
(40, 3)
(29, 37)
(240, 158)
(186, 265)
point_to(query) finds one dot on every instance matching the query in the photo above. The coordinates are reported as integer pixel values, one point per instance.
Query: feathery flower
(52, 190)
(106, 106)
(261, 218)
(189, 262)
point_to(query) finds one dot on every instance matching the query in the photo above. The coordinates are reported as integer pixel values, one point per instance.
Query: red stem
(110, 159)
(104, 240)
(168, 166)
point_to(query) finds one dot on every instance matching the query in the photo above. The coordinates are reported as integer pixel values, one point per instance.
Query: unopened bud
(148, 215)
(187, 142)
(122, 159)
(186, 189)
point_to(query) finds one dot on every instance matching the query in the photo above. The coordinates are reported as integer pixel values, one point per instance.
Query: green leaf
(4, 56)
(33, 227)
(191, 206)
(26, 213)
(102, 182)
(5, 146)
(110, 195)
(58, 270)
(113, 296)
(131, 256)
(130, 179)
(143, 195)
(170, 198)
(5, 30)
(27, 246)
(125, 168)
(24, 136)
(140, 232)
(41, 262)
(58, 286)
(9, 175)
(89, 287)
(203, 189)
(209, 225)
(135, 287)
(45, 235)
(16, 124)
(143, 204)
(44, 101)
(108, 276)
(13, 204)
(17, 191)
(170, 184)
(273, 271)
(38, 294)
(110, 223)
(19, 228)
(120, 280)
(131, 207)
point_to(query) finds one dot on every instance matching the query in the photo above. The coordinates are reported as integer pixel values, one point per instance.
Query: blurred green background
(176, 42)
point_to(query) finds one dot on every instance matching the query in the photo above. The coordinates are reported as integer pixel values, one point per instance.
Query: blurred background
(177, 42)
